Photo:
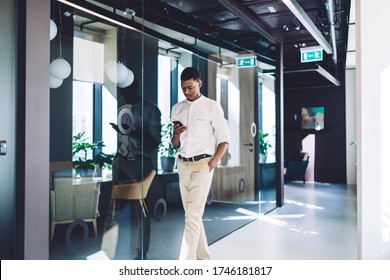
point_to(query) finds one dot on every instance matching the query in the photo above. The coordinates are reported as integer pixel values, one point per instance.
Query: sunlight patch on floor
(302, 204)
(274, 219)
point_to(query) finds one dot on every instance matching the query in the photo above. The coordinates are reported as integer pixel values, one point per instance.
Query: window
(164, 92)
(228, 96)
(164, 87)
(109, 115)
(82, 109)
(94, 106)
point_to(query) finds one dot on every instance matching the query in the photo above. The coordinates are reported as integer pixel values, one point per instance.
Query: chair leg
(52, 229)
(144, 203)
(143, 206)
(113, 205)
(95, 227)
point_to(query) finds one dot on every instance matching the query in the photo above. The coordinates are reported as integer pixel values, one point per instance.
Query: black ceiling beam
(172, 22)
(249, 18)
(139, 27)
(303, 17)
(313, 68)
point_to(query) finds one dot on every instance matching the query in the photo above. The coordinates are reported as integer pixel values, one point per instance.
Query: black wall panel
(330, 147)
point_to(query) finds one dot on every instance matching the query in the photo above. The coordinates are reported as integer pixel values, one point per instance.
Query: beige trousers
(195, 181)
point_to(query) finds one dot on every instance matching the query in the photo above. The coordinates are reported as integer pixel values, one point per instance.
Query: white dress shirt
(206, 126)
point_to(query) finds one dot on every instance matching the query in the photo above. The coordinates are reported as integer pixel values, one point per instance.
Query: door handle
(249, 144)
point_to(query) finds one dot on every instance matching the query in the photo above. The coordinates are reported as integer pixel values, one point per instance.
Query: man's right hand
(177, 130)
(114, 126)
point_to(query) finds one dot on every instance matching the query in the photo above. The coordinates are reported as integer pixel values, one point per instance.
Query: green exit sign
(311, 54)
(249, 61)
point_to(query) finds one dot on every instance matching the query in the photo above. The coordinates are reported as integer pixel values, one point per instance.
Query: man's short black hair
(190, 73)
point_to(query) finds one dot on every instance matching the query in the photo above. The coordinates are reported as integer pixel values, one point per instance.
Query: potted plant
(89, 155)
(263, 146)
(166, 149)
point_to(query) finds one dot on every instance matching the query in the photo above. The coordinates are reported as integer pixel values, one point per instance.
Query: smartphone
(177, 123)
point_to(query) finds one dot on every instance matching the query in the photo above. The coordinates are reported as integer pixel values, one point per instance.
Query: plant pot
(262, 158)
(87, 172)
(168, 164)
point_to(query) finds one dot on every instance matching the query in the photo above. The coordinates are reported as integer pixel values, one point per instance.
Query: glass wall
(126, 62)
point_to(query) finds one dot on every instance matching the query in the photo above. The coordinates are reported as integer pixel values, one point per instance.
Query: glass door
(242, 187)
(266, 134)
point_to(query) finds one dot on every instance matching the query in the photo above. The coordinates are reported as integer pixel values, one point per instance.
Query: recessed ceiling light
(271, 9)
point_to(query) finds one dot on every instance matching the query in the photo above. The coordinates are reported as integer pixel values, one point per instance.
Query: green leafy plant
(263, 143)
(89, 153)
(166, 148)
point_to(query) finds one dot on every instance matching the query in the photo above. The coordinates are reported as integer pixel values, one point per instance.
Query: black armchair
(296, 169)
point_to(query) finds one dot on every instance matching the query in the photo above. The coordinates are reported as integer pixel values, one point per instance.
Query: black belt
(194, 158)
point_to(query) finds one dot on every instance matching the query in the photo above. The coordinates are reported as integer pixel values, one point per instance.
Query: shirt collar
(195, 101)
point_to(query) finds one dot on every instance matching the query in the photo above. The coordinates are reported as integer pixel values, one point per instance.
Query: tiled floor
(317, 222)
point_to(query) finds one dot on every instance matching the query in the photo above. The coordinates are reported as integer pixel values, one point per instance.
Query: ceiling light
(129, 11)
(97, 14)
(53, 29)
(271, 9)
(54, 82)
(60, 68)
(297, 24)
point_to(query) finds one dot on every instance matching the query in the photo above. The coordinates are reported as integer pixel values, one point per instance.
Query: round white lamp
(54, 82)
(60, 68)
(128, 81)
(173, 64)
(117, 72)
(53, 29)
(108, 65)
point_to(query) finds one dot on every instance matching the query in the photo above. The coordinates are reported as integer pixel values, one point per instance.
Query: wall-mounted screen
(312, 118)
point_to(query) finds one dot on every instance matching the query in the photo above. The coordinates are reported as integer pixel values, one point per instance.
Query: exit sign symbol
(309, 54)
(246, 62)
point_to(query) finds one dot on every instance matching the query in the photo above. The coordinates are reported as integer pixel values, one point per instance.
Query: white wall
(372, 75)
(36, 230)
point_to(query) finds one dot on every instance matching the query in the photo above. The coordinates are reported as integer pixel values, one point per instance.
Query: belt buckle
(131, 157)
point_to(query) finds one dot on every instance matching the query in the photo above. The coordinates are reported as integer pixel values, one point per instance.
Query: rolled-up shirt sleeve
(220, 125)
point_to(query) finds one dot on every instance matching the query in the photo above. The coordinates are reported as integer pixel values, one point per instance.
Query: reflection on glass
(237, 194)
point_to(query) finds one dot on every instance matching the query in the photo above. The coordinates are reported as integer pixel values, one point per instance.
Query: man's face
(191, 88)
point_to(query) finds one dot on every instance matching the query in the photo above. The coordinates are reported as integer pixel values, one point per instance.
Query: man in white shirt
(202, 135)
